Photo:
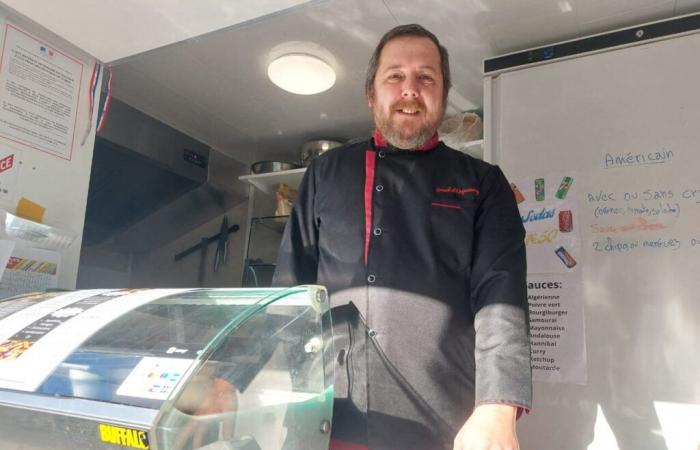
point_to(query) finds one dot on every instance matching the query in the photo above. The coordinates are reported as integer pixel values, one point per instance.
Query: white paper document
(557, 335)
(39, 87)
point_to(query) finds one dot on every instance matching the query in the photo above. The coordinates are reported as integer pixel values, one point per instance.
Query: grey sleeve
(499, 298)
(502, 354)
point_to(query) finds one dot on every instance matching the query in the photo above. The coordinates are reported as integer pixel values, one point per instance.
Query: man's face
(406, 98)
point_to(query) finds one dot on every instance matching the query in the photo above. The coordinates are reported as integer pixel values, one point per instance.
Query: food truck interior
(154, 145)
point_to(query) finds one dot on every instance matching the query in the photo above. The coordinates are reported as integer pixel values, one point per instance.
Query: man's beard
(395, 134)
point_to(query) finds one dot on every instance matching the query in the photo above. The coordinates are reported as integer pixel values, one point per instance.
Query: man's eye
(395, 76)
(426, 79)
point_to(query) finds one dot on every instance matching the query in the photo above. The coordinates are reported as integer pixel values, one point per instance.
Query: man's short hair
(408, 30)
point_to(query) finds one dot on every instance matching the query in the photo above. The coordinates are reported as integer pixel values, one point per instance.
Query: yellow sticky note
(29, 210)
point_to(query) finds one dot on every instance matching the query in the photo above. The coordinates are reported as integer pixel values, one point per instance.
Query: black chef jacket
(422, 253)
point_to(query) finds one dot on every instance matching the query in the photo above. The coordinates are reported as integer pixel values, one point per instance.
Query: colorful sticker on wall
(548, 215)
(539, 189)
(7, 163)
(565, 257)
(564, 187)
(30, 265)
(566, 221)
(9, 168)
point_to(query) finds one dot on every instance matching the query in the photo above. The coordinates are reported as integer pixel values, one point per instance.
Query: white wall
(60, 185)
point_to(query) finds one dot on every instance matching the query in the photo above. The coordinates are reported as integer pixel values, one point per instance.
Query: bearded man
(421, 249)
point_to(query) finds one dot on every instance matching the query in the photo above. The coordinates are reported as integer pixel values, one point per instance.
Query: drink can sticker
(519, 197)
(564, 187)
(539, 189)
(566, 221)
(565, 257)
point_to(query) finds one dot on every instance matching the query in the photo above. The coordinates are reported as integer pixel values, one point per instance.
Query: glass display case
(166, 369)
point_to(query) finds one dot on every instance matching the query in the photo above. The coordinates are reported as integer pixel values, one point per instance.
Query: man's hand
(490, 427)
(206, 395)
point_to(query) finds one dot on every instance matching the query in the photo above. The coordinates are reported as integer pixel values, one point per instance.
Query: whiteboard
(626, 122)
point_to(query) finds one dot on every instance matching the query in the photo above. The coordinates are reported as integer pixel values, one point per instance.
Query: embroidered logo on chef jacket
(457, 191)
(452, 197)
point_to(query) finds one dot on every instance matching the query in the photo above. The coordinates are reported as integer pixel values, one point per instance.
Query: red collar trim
(379, 141)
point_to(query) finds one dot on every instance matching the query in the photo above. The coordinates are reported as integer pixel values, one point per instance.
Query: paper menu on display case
(36, 339)
(19, 319)
(18, 304)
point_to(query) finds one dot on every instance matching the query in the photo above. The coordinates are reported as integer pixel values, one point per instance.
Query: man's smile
(408, 108)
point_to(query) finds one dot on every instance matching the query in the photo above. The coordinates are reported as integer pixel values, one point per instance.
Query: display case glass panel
(223, 368)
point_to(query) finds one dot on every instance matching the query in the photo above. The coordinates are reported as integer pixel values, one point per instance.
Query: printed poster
(28, 270)
(550, 212)
(557, 337)
(39, 94)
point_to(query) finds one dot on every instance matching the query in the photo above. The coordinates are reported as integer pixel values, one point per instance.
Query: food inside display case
(167, 369)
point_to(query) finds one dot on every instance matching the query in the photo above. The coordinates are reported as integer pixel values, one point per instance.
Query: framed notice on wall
(39, 94)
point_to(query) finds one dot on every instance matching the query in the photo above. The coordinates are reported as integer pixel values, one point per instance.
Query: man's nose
(410, 88)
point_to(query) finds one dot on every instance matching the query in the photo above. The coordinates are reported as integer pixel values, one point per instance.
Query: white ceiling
(100, 27)
(214, 86)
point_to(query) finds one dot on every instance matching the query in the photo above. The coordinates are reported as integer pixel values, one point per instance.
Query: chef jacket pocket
(446, 204)
(452, 229)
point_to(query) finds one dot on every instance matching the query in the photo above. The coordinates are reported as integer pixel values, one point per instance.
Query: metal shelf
(267, 182)
(275, 223)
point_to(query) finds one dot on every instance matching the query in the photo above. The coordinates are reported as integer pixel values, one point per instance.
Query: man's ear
(370, 98)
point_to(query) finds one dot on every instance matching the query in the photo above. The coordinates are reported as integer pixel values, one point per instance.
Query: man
(421, 248)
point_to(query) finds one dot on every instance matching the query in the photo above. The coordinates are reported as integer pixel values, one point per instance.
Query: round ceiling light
(301, 74)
